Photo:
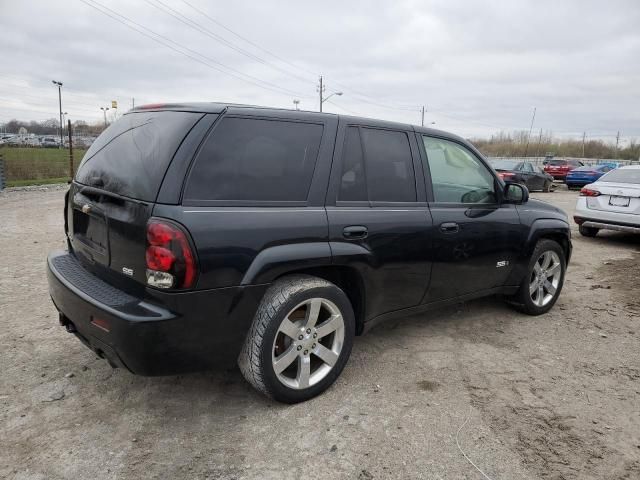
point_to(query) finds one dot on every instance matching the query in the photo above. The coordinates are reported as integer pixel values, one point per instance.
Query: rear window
(622, 175)
(505, 164)
(131, 157)
(255, 160)
(557, 163)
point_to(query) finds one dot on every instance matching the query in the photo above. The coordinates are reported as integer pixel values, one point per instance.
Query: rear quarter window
(247, 159)
(131, 157)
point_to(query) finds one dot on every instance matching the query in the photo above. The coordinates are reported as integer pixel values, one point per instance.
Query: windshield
(622, 175)
(505, 164)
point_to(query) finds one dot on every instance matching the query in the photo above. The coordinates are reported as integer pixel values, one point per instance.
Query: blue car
(581, 176)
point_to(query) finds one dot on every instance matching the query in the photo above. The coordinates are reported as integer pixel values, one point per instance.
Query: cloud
(477, 66)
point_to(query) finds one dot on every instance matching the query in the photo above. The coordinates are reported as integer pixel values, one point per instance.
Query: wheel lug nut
(308, 330)
(313, 346)
(300, 337)
(306, 352)
(315, 335)
(299, 347)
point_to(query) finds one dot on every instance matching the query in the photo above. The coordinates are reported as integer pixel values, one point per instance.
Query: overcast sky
(479, 67)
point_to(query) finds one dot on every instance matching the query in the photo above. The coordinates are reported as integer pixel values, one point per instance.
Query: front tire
(300, 339)
(542, 284)
(588, 231)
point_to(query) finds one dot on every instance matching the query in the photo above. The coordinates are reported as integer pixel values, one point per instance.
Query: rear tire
(542, 284)
(300, 339)
(588, 231)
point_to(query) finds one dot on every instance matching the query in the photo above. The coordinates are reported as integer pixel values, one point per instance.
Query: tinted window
(251, 159)
(353, 185)
(557, 163)
(131, 157)
(457, 175)
(389, 166)
(528, 167)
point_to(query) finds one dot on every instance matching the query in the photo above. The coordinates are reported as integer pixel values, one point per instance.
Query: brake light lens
(506, 175)
(588, 192)
(170, 259)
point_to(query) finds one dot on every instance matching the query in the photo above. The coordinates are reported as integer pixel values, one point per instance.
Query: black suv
(202, 233)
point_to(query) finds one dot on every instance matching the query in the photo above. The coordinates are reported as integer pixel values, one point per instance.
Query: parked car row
(47, 141)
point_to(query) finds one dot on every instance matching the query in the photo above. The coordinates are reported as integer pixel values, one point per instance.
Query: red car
(558, 169)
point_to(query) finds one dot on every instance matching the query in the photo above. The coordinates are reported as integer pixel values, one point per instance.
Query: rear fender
(276, 261)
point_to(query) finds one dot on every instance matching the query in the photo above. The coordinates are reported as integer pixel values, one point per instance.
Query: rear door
(476, 238)
(115, 188)
(379, 222)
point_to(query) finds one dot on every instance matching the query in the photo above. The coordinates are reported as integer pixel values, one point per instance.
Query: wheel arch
(348, 279)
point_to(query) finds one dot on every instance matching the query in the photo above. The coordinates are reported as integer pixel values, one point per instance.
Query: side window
(528, 167)
(353, 186)
(389, 166)
(255, 160)
(457, 175)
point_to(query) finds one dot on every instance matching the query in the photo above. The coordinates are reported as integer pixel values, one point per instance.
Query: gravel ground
(552, 397)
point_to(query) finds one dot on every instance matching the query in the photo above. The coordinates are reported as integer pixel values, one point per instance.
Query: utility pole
(584, 135)
(133, 103)
(422, 116)
(539, 143)
(59, 85)
(617, 140)
(321, 89)
(296, 102)
(526, 149)
(70, 150)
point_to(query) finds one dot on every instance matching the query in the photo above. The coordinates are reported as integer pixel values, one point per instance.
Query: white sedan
(611, 203)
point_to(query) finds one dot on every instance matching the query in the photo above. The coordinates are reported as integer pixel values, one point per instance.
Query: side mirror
(516, 193)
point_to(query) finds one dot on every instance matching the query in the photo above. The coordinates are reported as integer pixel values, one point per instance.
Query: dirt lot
(553, 397)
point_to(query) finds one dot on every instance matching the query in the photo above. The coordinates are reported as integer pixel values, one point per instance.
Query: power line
(277, 57)
(205, 31)
(181, 49)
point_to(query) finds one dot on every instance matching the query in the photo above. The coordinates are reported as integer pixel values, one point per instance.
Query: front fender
(553, 228)
(273, 262)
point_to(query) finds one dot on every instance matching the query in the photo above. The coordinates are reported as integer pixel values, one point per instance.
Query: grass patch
(36, 181)
(38, 164)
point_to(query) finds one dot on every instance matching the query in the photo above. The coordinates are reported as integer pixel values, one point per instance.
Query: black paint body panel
(407, 261)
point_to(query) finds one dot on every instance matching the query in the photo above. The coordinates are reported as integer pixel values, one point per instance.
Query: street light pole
(104, 111)
(321, 89)
(59, 85)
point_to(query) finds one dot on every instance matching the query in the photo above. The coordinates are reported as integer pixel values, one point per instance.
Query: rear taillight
(506, 175)
(170, 259)
(588, 192)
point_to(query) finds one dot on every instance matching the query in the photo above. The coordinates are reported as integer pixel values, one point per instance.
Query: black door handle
(355, 232)
(449, 227)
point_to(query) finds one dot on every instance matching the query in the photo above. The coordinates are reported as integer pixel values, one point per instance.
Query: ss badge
(502, 263)
(127, 271)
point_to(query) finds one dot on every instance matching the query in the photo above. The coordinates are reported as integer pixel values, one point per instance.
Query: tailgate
(108, 232)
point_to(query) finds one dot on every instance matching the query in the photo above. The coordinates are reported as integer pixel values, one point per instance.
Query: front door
(379, 221)
(475, 236)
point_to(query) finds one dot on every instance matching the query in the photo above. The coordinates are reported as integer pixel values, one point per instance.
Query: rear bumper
(164, 334)
(590, 217)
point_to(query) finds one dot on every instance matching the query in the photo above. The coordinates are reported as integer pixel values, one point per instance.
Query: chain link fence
(587, 161)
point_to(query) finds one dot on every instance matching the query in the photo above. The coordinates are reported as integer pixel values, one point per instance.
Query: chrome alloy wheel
(308, 343)
(545, 278)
